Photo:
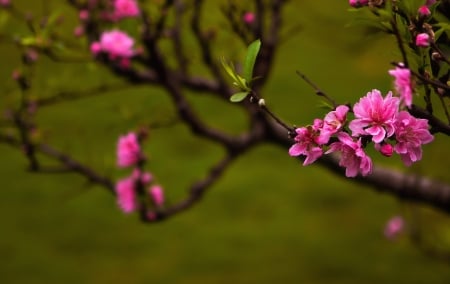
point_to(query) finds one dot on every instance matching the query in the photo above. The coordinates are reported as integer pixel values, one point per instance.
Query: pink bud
(157, 195)
(96, 47)
(423, 40)
(424, 11)
(394, 227)
(385, 149)
(83, 15)
(5, 3)
(78, 31)
(249, 18)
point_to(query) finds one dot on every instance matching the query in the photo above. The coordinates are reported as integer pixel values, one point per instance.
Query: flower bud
(423, 40)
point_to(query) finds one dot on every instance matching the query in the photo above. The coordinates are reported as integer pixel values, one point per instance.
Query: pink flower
(306, 144)
(78, 31)
(145, 177)
(333, 123)
(96, 48)
(424, 11)
(430, 2)
(126, 198)
(83, 15)
(5, 3)
(423, 40)
(128, 150)
(358, 3)
(410, 134)
(353, 157)
(116, 43)
(157, 194)
(248, 18)
(375, 116)
(125, 8)
(394, 227)
(403, 84)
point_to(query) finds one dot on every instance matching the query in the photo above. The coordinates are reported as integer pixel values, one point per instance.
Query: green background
(268, 218)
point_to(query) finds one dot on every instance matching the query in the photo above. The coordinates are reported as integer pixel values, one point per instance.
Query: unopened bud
(261, 102)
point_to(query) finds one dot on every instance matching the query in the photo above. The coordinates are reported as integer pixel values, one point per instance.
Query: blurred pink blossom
(248, 18)
(157, 195)
(125, 8)
(424, 11)
(394, 227)
(128, 150)
(423, 40)
(83, 15)
(116, 43)
(403, 84)
(5, 3)
(126, 198)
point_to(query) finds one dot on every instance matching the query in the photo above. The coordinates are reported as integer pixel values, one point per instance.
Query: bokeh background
(268, 219)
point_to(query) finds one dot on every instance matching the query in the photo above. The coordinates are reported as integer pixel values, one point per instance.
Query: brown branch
(197, 190)
(70, 164)
(405, 186)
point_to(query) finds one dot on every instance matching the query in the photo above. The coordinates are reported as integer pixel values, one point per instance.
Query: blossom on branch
(353, 157)
(410, 134)
(157, 195)
(116, 43)
(126, 196)
(128, 150)
(125, 9)
(307, 143)
(375, 116)
(333, 122)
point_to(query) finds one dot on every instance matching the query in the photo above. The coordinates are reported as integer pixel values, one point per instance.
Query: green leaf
(238, 97)
(250, 59)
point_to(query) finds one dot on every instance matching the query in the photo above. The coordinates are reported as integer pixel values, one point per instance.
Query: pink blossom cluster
(377, 119)
(129, 155)
(115, 43)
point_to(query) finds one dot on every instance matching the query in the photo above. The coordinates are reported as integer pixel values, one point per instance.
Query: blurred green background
(268, 219)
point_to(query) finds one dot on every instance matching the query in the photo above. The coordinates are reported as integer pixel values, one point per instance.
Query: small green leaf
(238, 97)
(250, 59)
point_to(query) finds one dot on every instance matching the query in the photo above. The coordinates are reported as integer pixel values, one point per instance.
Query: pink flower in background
(83, 15)
(424, 11)
(145, 177)
(333, 123)
(5, 3)
(157, 195)
(430, 2)
(306, 144)
(116, 43)
(249, 18)
(353, 157)
(375, 116)
(403, 84)
(410, 134)
(358, 3)
(423, 40)
(126, 197)
(125, 8)
(394, 227)
(78, 31)
(128, 150)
